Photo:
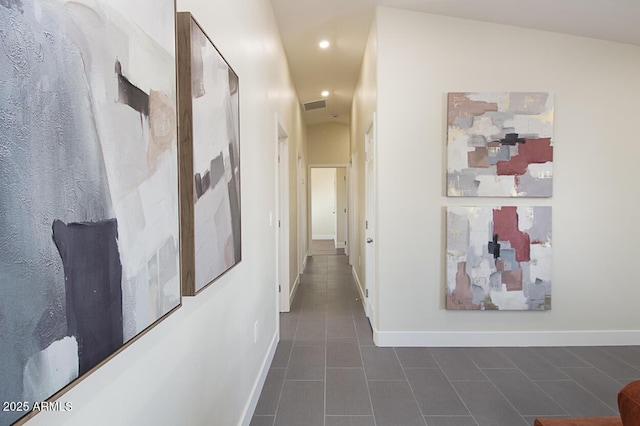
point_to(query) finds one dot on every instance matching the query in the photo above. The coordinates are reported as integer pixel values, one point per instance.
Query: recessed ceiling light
(325, 93)
(324, 44)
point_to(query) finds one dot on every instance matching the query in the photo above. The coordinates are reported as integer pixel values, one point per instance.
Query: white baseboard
(506, 338)
(323, 237)
(250, 408)
(294, 290)
(360, 290)
(341, 244)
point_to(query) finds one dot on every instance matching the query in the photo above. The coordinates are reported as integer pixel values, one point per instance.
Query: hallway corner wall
(596, 83)
(363, 109)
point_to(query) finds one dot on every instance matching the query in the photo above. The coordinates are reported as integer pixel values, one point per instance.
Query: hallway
(327, 372)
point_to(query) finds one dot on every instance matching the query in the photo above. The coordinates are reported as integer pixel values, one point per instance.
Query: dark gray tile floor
(327, 371)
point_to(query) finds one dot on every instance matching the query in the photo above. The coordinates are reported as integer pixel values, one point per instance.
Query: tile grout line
(284, 380)
(507, 399)
(366, 382)
(454, 388)
(326, 341)
(591, 366)
(404, 373)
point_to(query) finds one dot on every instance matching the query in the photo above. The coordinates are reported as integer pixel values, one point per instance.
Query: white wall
(362, 111)
(200, 366)
(328, 143)
(323, 203)
(595, 215)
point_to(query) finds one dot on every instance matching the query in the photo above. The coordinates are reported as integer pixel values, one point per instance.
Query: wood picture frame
(209, 157)
(89, 210)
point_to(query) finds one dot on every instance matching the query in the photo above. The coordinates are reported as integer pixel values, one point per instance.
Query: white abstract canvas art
(500, 144)
(88, 164)
(499, 258)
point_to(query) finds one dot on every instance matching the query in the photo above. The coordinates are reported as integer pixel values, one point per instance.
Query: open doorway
(329, 201)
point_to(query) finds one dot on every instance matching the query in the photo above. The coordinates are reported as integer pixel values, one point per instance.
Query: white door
(370, 223)
(341, 207)
(302, 215)
(282, 223)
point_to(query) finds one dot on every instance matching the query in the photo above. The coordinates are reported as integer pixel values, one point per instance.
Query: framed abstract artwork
(89, 240)
(500, 144)
(499, 258)
(209, 155)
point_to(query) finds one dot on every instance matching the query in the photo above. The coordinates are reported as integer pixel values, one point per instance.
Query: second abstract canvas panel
(499, 258)
(210, 151)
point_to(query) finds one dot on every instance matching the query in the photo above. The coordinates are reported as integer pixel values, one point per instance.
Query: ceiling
(346, 24)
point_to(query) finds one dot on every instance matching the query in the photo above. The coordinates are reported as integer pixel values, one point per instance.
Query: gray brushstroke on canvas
(478, 294)
(465, 181)
(458, 233)
(537, 293)
(508, 256)
(541, 228)
(478, 141)
(234, 159)
(530, 186)
(503, 154)
(495, 281)
(50, 168)
(463, 122)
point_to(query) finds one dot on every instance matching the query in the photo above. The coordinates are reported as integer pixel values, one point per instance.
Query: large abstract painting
(499, 258)
(89, 227)
(500, 144)
(209, 157)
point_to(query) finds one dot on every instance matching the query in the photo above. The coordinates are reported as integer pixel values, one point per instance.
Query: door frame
(309, 206)
(301, 203)
(282, 218)
(371, 223)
